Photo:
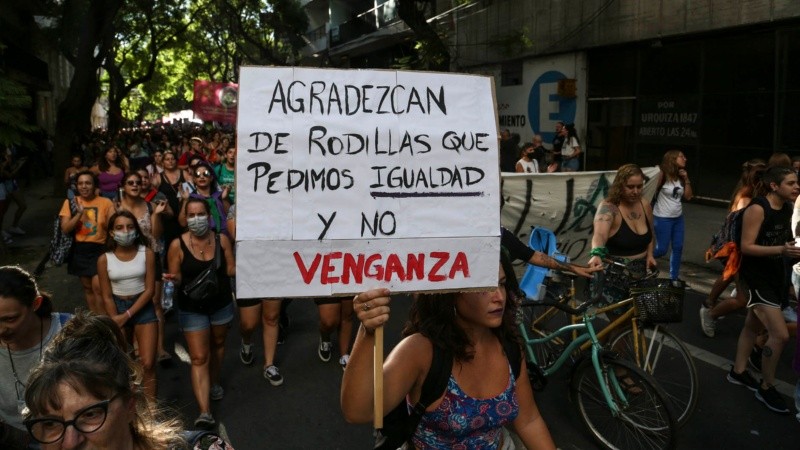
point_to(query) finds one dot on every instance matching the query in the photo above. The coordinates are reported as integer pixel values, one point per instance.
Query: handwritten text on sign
(354, 179)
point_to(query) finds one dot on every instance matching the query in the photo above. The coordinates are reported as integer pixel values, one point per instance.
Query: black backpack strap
(434, 385)
(514, 356)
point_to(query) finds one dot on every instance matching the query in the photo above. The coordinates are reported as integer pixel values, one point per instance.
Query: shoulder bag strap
(217, 251)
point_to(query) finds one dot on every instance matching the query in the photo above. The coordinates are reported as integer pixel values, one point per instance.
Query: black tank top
(191, 267)
(625, 242)
(767, 272)
(171, 227)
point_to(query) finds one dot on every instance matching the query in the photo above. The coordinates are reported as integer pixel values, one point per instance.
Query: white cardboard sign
(353, 179)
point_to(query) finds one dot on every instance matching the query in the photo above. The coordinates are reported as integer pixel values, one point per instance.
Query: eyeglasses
(203, 173)
(133, 183)
(88, 420)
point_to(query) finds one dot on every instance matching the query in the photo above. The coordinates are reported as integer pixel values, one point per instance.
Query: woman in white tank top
(127, 283)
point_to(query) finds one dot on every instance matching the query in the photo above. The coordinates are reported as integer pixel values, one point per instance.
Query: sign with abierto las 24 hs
(353, 179)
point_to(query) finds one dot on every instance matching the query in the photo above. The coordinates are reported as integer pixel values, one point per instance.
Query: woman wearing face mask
(127, 282)
(207, 189)
(205, 328)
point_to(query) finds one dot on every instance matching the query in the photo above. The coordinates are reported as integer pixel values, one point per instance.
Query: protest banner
(215, 102)
(564, 203)
(353, 179)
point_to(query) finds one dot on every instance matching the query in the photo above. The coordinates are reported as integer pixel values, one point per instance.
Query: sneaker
(343, 361)
(707, 324)
(246, 354)
(743, 379)
(272, 375)
(754, 360)
(324, 350)
(16, 230)
(772, 399)
(204, 421)
(217, 392)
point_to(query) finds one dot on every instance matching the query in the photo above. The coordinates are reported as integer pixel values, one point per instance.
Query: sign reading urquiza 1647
(352, 179)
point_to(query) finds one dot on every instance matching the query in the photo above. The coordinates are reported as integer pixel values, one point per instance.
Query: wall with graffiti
(562, 202)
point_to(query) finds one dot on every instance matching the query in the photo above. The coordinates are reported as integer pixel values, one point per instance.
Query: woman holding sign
(482, 395)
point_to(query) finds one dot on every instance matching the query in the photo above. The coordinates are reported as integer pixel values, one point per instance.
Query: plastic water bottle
(166, 298)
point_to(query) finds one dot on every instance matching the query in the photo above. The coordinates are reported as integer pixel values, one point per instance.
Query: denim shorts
(143, 316)
(192, 321)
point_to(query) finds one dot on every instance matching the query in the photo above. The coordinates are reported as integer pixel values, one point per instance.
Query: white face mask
(198, 225)
(125, 238)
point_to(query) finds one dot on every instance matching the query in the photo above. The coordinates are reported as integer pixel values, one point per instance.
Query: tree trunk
(74, 113)
(437, 53)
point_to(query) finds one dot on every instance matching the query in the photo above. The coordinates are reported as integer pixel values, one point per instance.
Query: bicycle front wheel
(666, 358)
(644, 418)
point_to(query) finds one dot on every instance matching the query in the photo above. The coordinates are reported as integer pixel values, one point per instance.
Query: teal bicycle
(622, 406)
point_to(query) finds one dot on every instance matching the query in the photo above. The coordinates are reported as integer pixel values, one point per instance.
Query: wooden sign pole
(378, 379)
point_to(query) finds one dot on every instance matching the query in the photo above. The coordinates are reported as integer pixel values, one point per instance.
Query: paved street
(304, 412)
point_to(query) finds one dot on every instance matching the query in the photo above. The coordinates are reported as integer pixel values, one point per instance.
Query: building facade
(718, 79)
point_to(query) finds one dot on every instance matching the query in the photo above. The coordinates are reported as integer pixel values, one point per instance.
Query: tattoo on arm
(542, 260)
(606, 213)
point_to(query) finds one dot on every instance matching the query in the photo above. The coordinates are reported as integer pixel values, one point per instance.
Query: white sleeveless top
(127, 277)
(530, 166)
(668, 202)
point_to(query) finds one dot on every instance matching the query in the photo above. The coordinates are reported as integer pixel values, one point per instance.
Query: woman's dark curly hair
(434, 316)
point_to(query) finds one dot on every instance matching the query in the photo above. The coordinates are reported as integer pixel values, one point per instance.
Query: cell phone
(160, 197)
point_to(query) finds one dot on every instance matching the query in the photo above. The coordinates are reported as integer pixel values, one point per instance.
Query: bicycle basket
(659, 300)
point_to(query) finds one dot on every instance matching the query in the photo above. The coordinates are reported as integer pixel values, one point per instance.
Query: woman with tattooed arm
(623, 228)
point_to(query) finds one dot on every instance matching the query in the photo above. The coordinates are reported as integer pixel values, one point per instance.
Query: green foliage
(513, 43)
(13, 120)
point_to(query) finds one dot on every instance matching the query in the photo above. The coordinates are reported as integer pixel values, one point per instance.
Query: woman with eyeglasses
(673, 187)
(205, 326)
(85, 394)
(207, 189)
(27, 325)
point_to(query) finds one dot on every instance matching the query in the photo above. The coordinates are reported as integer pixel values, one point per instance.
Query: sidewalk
(29, 249)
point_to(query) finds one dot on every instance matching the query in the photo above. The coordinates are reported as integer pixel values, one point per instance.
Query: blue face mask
(125, 238)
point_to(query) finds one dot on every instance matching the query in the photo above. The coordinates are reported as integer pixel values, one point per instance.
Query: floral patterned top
(463, 422)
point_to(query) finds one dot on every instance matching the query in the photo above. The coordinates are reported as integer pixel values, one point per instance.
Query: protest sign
(353, 179)
(564, 203)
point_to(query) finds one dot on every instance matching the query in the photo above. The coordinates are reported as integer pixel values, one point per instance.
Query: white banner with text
(353, 179)
(564, 203)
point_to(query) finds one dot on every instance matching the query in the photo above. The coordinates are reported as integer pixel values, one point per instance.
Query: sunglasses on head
(202, 173)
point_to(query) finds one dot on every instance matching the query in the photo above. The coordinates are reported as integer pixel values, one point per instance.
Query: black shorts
(765, 297)
(83, 259)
